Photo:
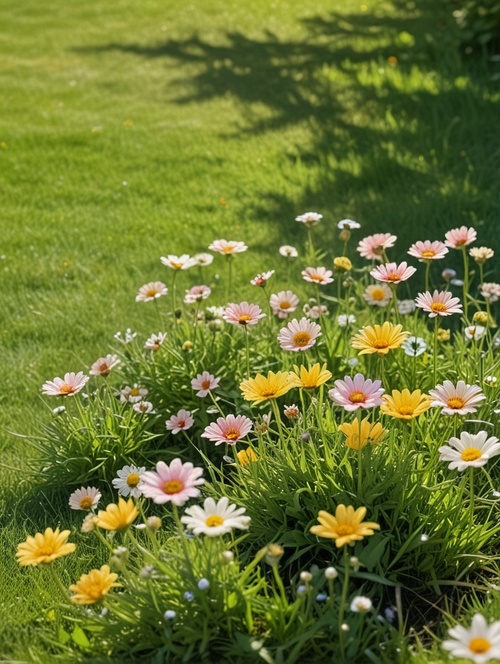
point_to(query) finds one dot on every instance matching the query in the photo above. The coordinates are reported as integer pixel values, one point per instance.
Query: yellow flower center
(86, 503)
(66, 389)
(214, 520)
(232, 434)
(285, 305)
(94, 589)
(301, 339)
(316, 277)
(393, 277)
(438, 307)
(134, 392)
(176, 266)
(428, 254)
(173, 486)
(380, 343)
(456, 403)
(228, 250)
(459, 243)
(133, 480)
(345, 529)
(267, 392)
(152, 292)
(243, 319)
(46, 550)
(405, 410)
(205, 385)
(377, 294)
(357, 397)
(471, 454)
(479, 645)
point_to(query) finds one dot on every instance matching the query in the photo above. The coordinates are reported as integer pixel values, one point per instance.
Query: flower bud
(331, 573)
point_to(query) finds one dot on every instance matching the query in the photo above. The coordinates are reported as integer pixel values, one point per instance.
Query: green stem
(58, 581)
(229, 277)
(247, 344)
(436, 324)
(427, 268)
(466, 282)
(343, 599)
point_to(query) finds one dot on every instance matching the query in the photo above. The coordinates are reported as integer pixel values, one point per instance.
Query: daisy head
(392, 273)
(460, 237)
(345, 320)
(128, 480)
(144, 407)
(317, 275)
(480, 643)
(86, 498)
(315, 311)
(405, 405)
(261, 388)
(428, 251)
(360, 434)
(176, 483)
(180, 422)
(152, 291)
(215, 518)
(197, 294)
(439, 303)
(459, 399)
(379, 339)
(481, 254)
(356, 393)
(228, 247)
(474, 332)
(102, 366)
(71, 384)
(299, 335)
(204, 383)
(283, 303)
(346, 527)
(308, 379)
(155, 341)
(203, 259)
(288, 251)
(133, 394)
(243, 314)
(183, 262)
(229, 429)
(414, 346)
(309, 218)
(262, 279)
(469, 450)
(374, 246)
(348, 225)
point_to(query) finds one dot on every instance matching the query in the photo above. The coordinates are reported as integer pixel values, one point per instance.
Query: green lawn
(133, 130)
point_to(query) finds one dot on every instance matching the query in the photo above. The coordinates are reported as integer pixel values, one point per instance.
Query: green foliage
(478, 22)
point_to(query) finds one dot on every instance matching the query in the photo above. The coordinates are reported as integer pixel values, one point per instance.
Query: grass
(130, 131)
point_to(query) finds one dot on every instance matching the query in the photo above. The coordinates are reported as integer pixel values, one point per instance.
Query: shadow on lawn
(397, 144)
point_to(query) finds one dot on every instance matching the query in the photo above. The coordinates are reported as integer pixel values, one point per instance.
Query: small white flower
(144, 407)
(103, 366)
(127, 481)
(331, 573)
(480, 643)
(85, 498)
(57, 411)
(343, 320)
(215, 519)
(88, 524)
(288, 251)
(474, 332)
(125, 340)
(151, 291)
(470, 450)
(424, 537)
(361, 604)
(203, 259)
(155, 341)
(183, 262)
(133, 394)
(306, 577)
(348, 224)
(406, 306)
(353, 361)
(309, 218)
(414, 346)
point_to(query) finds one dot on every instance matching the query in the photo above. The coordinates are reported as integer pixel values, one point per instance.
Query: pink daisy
(457, 400)
(393, 273)
(228, 429)
(152, 291)
(283, 303)
(197, 294)
(180, 422)
(460, 237)
(204, 383)
(373, 246)
(65, 387)
(175, 483)
(428, 251)
(299, 335)
(438, 304)
(317, 275)
(262, 279)
(103, 365)
(228, 247)
(357, 393)
(243, 314)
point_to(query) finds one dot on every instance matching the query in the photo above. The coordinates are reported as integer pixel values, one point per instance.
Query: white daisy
(344, 321)
(127, 481)
(309, 218)
(414, 346)
(474, 332)
(133, 394)
(480, 643)
(68, 386)
(215, 518)
(471, 450)
(85, 498)
(103, 366)
(144, 407)
(288, 251)
(203, 259)
(155, 341)
(151, 291)
(348, 224)
(406, 307)
(361, 604)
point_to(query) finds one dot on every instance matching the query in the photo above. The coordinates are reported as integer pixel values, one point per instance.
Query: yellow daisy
(92, 587)
(405, 405)
(261, 388)
(246, 456)
(117, 517)
(370, 433)
(346, 527)
(379, 339)
(44, 547)
(310, 378)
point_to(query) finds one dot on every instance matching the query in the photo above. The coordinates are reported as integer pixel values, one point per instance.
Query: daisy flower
(481, 254)
(180, 422)
(243, 314)
(128, 480)
(228, 247)
(480, 643)
(103, 366)
(229, 429)
(392, 273)
(357, 393)
(307, 379)
(261, 387)
(371, 433)
(204, 383)
(155, 341)
(144, 407)
(373, 246)
(406, 307)
(342, 264)
(317, 275)
(215, 518)
(379, 339)
(344, 321)
(203, 259)
(183, 262)
(460, 237)
(439, 303)
(428, 251)
(457, 400)
(405, 405)
(309, 218)
(176, 483)
(197, 294)
(85, 498)
(44, 547)
(361, 604)
(283, 303)
(414, 346)
(299, 335)
(247, 456)
(346, 527)
(469, 451)
(133, 394)
(288, 251)
(474, 332)
(68, 386)
(152, 291)
(262, 279)
(92, 587)
(348, 225)
(314, 312)
(117, 516)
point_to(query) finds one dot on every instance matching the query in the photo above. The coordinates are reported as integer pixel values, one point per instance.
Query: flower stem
(58, 581)
(436, 324)
(343, 599)
(466, 282)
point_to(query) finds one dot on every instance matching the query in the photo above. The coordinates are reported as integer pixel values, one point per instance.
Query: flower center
(152, 292)
(134, 392)
(94, 590)
(86, 503)
(66, 389)
(133, 480)
(243, 319)
(228, 250)
(378, 294)
(380, 343)
(428, 254)
(456, 403)
(479, 645)
(437, 307)
(143, 407)
(181, 424)
(345, 529)
(285, 305)
(301, 339)
(405, 410)
(316, 277)
(459, 243)
(46, 550)
(205, 385)
(357, 397)
(176, 266)
(214, 520)
(471, 454)
(232, 434)
(173, 486)
(267, 392)
(393, 277)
